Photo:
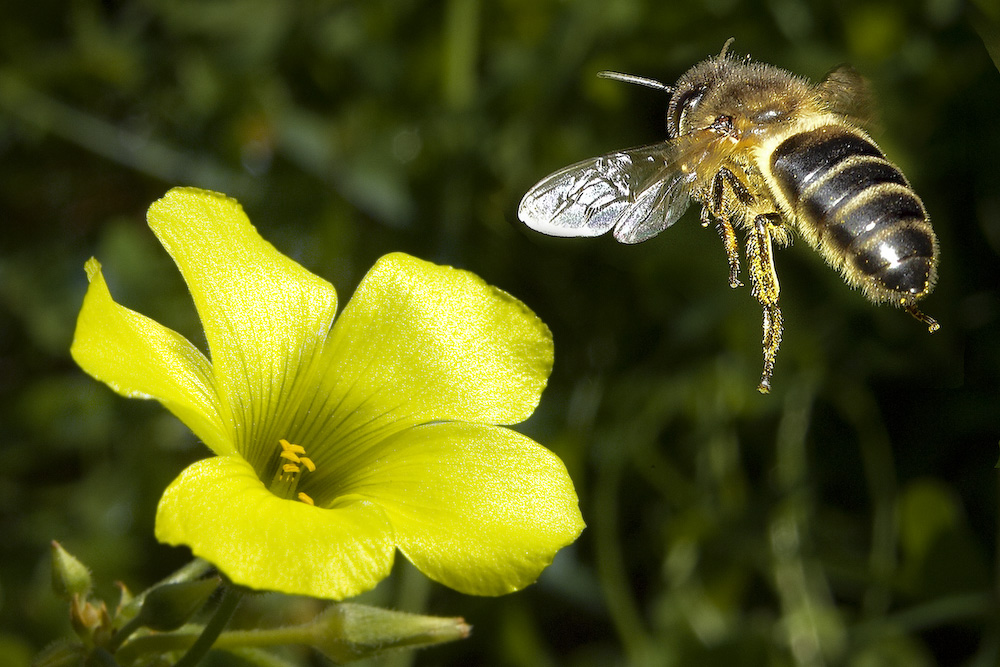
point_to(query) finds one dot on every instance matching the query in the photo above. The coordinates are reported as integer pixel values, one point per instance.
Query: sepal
(90, 620)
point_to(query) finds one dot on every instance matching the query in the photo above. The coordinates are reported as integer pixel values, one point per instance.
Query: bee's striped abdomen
(863, 213)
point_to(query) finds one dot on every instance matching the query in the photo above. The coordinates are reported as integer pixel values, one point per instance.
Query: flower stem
(343, 633)
(123, 633)
(230, 600)
(231, 640)
(196, 568)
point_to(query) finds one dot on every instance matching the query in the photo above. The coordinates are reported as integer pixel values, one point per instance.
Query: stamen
(289, 447)
(291, 461)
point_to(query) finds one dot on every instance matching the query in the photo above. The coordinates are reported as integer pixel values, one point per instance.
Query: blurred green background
(849, 518)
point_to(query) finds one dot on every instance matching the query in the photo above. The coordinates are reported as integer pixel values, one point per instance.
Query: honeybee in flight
(767, 152)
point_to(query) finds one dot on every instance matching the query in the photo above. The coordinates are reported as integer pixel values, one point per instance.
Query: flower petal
(482, 509)
(140, 358)
(265, 316)
(420, 342)
(220, 509)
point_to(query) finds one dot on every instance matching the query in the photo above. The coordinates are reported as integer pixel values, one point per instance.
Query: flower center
(291, 462)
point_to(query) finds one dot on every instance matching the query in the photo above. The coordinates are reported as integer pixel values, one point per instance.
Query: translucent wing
(846, 92)
(637, 192)
(654, 209)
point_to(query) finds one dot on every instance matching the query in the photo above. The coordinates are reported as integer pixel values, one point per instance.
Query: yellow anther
(289, 447)
(291, 462)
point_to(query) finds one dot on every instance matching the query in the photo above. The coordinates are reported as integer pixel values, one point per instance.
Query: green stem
(175, 641)
(943, 611)
(622, 606)
(861, 410)
(810, 626)
(461, 52)
(193, 570)
(123, 633)
(296, 634)
(230, 600)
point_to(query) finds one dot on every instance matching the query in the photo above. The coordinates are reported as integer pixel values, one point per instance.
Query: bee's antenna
(638, 80)
(725, 47)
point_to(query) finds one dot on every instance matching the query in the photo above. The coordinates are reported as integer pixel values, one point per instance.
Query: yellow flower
(337, 443)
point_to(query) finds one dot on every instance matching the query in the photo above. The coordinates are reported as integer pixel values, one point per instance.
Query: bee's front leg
(724, 225)
(765, 288)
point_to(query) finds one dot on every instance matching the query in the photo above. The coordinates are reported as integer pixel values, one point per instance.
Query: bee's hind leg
(764, 282)
(931, 323)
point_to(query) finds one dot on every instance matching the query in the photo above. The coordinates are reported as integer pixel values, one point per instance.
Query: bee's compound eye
(723, 125)
(686, 103)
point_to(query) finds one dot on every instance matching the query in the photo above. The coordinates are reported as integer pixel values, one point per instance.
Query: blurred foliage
(848, 518)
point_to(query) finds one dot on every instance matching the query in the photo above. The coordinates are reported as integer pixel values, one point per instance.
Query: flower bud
(347, 632)
(69, 576)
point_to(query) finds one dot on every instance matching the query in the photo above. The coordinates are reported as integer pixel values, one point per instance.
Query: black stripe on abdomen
(804, 158)
(841, 185)
(858, 207)
(845, 181)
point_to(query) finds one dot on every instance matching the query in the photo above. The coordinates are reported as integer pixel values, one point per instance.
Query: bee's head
(753, 95)
(685, 111)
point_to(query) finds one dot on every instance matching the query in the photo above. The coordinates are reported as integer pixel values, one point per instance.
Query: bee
(769, 153)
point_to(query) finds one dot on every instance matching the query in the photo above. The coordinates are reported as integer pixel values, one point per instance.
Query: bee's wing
(655, 208)
(844, 91)
(637, 192)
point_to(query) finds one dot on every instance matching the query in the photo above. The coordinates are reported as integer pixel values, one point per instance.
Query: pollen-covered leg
(717, 208)
(764, 280)
(725, 229)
